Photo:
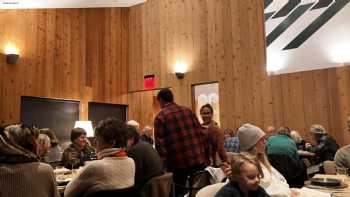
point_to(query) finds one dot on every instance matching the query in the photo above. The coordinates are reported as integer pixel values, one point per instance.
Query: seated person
(299, 141)
(282, 143)
(270, 131)
(342, 157)
(231, 142)
(55, 152)
(252, 142)
(147, 135)
(147, 160)
(244, 179)
(44, 145)
(113, 170)
(78, 151)
(296, 137)
(283, 155)
(21, 173)
(325, 147)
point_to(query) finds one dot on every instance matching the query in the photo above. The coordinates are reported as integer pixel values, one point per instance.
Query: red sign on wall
(149, 82)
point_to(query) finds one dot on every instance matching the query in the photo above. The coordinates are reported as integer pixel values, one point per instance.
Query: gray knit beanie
(249, 135)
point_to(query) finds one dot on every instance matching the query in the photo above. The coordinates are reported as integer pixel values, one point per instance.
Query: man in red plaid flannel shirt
(178, 139)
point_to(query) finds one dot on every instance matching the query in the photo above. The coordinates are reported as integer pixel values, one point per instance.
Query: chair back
(293, 170)
(197, 181)
(210, 190)
(159, 186)
(329, 167)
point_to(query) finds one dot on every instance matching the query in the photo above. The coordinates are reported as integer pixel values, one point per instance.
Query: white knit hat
(249, 135)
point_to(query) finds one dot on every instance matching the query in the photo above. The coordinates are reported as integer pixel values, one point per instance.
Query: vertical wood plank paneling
(224, 41)
(79, 54)
(101, 54)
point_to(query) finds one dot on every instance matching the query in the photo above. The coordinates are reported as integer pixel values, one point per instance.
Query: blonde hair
(43, 141)
(261, 158)
(238, 161)
(51, 134)
(296, 136)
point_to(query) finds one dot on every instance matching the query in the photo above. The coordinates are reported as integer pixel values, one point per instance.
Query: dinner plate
(328, 182)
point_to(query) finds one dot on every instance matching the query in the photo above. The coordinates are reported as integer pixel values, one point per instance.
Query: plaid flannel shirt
(178, 137)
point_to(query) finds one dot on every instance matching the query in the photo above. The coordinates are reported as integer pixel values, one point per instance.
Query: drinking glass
(342, 171)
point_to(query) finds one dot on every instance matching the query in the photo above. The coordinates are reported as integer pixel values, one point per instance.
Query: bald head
(271, 130)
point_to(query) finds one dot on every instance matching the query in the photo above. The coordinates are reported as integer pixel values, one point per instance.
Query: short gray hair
(44, 140)
(296, 136)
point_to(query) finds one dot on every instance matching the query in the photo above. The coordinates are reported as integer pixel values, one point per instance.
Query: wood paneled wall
(78, 54)
(223, 40)
(102, 54)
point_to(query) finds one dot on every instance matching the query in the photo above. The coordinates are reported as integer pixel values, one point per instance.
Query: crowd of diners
(122, 156)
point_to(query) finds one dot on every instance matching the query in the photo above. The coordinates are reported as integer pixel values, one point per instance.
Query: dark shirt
(147, 139)
(73, 157)
(301, 145)
(326, 148)
(178, 137)
(147, 162)
(233, 190)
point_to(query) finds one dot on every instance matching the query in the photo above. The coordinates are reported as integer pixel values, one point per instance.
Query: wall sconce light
(180, 69)
(87, 126)
(11, 54)
(11, 58)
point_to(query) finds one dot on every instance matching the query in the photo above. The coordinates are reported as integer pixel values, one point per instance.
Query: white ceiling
(21, 4)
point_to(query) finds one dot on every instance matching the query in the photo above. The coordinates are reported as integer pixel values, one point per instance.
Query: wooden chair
(159, 186)
(195, 182)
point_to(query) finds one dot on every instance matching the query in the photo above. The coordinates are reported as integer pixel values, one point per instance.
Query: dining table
(63, 177)
(345, 183)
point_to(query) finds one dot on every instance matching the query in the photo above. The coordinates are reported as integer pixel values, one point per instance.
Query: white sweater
(274, 183)
(109, 173)
(32, 179)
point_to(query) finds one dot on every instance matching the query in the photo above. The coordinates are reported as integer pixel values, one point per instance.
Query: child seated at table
(244, 179)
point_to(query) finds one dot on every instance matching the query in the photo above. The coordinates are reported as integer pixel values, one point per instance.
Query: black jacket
(326, 148)
(147, 162)
(232, 190)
